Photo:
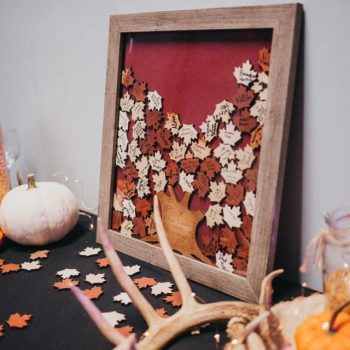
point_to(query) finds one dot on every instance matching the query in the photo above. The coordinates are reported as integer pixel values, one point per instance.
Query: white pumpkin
(38, 213)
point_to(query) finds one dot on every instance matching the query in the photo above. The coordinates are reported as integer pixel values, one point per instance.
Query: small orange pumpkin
(326, 331)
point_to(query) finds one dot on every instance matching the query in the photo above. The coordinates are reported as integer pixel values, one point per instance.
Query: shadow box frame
(284, 21)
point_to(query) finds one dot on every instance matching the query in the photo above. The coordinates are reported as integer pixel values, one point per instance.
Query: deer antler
(160, 330)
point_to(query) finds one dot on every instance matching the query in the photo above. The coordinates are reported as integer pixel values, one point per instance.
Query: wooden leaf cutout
(151, 226)
(243, 97)
(66, 273)
(244, 122)
(126, 102)
(30, 266)
(240, 264)
(139, 91)
(103, 262)
(113, 317)
(65, 284)
(264, 59)
(188, 133)
(164, 139)
(228, 240)
(235, 194)
(247, 225)
(137, 111)
(245, 74)
(223, 111)
(190, 165)
(174, 299)
(130, 172)
(200, 149)
(155, 100)
(148, 145)
(132, 270)
(7, 268)
(95, 278)
(93, 293)
(39, 254)
(18, 321)
(143, 206)
(90, 251)
(126, 330)
(173, 123)
(172, 172)
(139, 227)
(122, 298)
(209, 242)
(249, 203)
(251, 177)
(159, 181)
(210, 166)
(127, 77)
(162, 313)
(201, 184)
(256, 137)
(230, 135)
(232, 216)
(144, 282)
(154, 119)
(186, 181)
(224, 261)
(117, 219)
(161, 288)
(217, 191)
(214, 215)
(178, 151)
(243, 248)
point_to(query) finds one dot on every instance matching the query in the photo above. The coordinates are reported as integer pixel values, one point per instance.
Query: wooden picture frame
(284, 23)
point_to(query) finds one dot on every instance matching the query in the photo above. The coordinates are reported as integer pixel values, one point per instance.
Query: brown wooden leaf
(130, 172)
(117, 219)
(127, 188)
(1, 330)
(154, 119)
(256, 137)
(246, 226)
(172, 172)
(93, 293)
(143, 206)
(103, 262)
(6, 268)
(201, 184)
(235, 194)
(162, 313)
(228, 240)
(144, 282)
(39, 254)
(190, 165)
(65, 284)
(18, 321)
(209, 242)
(244, 122)
(251, 179)
(243, 248)
(264, 59)
(164, 139)
(210, 166)
(174, 299)
(240, 264)
(148, 144)
(139, 226)
(126, 330)
(139, 91)
(243, 98)
(127, 77)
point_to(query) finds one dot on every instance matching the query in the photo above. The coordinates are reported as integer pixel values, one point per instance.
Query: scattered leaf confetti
(93, 293)
(162, 288)
(123, 298)
(224, 261)
(174, 299)
(18, 320)
(113, 317)
(29, 266)
(162, 313)
(66, 273)
(98, 278)
(65, 284)
(39, 254)
(7, 268)
(125, 331)
(103, 262)
(132, 270)
(90, 251)
(144, 282)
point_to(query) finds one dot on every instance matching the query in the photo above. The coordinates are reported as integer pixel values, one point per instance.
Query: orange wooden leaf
(251, 177)
(39, 254)
(127, 77)
(190, 165)
(103, 262)
(243, 97)
(148, 144)
(246, 226)
(139, 227)
(256, 137)
(6, 268)
(162, 313)
(126, 330)
(18, 321)
(154, 119)
(1, 330)
(228, 240)
(144, 282)
(93, 293)
(209, 241)
(143, 206)
(65, 284)
(201, 184)
(174, 299)
(240, 264)
(210, 167)
(164, 138)
(139, 91)
(2, 262)
(172, 172)
(264, 59)
(127, 188)
(117, 219)
(130, 172)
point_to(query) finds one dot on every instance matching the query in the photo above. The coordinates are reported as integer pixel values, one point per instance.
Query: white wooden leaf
(121, 157)
(138, 111)
(157, 162)
(224, 153)
(186, 181)
(173, 123)
(249, 203)
(178, 151)
(126, 228)
(230, 135)
(126, 102)
(200, 149)
(142, 187)
(245, 157)
(142, 166)
(188, 133)
(98, 278)
(66, 273)
(159, 181)
(263, 95)
(155, 100)
(263, 78)
(217, 191)
(113, 317)
(122, 140)
(118, 201)
(257, 87)
(123, 121)
(162, 288)
(132, 270)
(231, 216)
(209, 128)
(139, 130)
(31, 265)
(214, 215)
(258, 110)
(223, 261)
(90, 251)
(245, 74)
(223, 111)
(134, 150)
(123, 298)
(231, 174)
(129, 208)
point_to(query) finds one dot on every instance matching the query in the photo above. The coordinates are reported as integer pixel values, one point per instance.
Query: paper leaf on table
(264, 59)
(200, 149)
(138, 130)
(18, 320)
(97, 278)
(249, 203)
(139, 91)
(90, 251)
(186, 181)
(251, 176)
(143, 167)
(123, 298)
(228, 240)
(224, 153)
(256, 137)
(144, 282)
(223, 261)
(209, 128)
(125, 331)
(173, 123)
(210, 166)
(126, 228)
(7, 268)
(154, 119)
(178, 151)
(113, 317)
(223, 111)
(162, 312)
(134, 150)
(103, 262)
(230, 135)
(157, 162)
(159, 181)
(155, 100)
(259, 111)
(132, 270)
(217, 191)
(231, 174)
(244, 122)
(190, 165)
(139, 227)
(127, 77)
(257, 87)
(245, 74)
(129, 208)
(1, 330)
(214, 215)
(29, 266)
(143, 188)
(126, 102)
(123, 121)
(263, 78)
(39, 254)
(188, 133)
(231, 216)
(93, 293)
(174, 299)
(201, 184)
(243, 97)
(245, 157)
(65, 284)
(66, 273)
(162, 288)
(138, 111)
(235, 194)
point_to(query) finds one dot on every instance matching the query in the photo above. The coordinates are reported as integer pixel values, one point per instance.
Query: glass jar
(336, 259)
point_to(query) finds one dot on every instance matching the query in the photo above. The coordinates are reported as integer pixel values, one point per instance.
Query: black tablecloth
(59, 322)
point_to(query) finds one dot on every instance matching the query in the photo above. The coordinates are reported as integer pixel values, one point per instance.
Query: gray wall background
(52, 75)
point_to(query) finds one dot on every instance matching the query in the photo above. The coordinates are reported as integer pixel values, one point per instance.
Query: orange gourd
(326, 331)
